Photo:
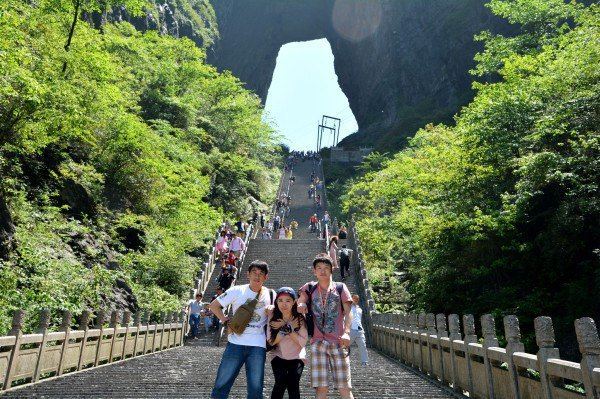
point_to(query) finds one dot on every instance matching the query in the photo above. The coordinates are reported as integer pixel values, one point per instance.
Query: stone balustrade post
(16, 331)
(414, 338)
(125, 322)
(43, 325)
(163, 322)
(488, 327)
(99, 324)
(544, 336)
(431, 337)
(114, 324)
(455, 335)
(137, 322)
(402, 331)
(512, 332)
(83, 324)
(441, 332)
(421, 331)
(146, 322)
(65, 327)
(589, 346)
(173, 329)
(470, 338)
(182, 319)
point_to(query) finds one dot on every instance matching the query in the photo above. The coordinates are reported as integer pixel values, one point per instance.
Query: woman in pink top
(333, 248)
(222, 243)
(288, 335)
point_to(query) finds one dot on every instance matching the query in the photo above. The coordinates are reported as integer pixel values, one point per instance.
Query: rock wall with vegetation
(401, 64)
(500, 211)
(118, 159)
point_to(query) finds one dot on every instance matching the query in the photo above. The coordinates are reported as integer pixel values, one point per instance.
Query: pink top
(287, 348)
(237, 244)
(327, 312)
(333, 254)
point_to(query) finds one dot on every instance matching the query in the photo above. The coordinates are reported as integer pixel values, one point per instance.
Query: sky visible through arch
(304, 87)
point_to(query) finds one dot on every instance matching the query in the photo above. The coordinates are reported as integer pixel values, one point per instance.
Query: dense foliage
(500, 212)
(115, 173)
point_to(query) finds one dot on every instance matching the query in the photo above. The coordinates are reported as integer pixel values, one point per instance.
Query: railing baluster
(544, 336)
(84, 320)
(589, 346)
(100, 319)
(66, 328)
(470, 338)
(514, 344)
(16, 331)
(125, 322)
(114, 324)
(455, 335)
(488, 326)
(42, 329)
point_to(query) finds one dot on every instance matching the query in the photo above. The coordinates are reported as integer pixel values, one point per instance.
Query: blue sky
(305, 87)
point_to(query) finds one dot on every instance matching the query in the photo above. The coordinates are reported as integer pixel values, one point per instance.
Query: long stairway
(189, 371)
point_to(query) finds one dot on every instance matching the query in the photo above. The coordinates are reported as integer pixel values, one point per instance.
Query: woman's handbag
(243, 315)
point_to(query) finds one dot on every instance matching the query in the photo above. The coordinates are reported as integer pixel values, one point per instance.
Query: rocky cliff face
(401, 64)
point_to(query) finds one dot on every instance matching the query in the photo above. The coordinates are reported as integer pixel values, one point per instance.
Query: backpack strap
(311, 289)
(340, 288)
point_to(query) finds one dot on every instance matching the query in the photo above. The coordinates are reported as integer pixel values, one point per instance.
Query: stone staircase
(189, 371)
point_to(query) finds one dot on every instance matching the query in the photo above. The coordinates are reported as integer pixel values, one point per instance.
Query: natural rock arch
(412, 69)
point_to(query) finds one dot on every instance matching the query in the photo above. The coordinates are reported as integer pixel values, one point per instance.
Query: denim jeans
(233, 358)
(207, 323)
(194, 324)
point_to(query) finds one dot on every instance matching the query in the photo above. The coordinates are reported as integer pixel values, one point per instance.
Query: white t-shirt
(254, 334)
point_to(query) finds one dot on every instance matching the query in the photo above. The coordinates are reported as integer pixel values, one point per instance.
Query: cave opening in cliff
(303, 88)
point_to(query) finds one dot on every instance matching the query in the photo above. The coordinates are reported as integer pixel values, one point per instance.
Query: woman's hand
(295, 324)
(277, 324)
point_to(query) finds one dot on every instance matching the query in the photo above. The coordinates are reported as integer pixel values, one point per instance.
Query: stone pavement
(189, 371)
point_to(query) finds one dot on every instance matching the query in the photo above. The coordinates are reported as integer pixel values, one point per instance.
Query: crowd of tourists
(278, 324)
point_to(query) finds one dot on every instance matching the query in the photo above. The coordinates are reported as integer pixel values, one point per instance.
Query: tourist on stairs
(327, 306)
(222, 243)
(333, 248)
(357, 333)
(195, 308)
(246, 333)
(288, 335)
(344, 260)
(313, 223)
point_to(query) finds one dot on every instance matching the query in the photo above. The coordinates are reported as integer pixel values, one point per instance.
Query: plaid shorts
(324, 353)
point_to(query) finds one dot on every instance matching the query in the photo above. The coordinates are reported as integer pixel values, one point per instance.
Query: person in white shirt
(357, 333)
(248, 348)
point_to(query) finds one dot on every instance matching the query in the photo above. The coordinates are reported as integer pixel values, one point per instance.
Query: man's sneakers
(364, 364)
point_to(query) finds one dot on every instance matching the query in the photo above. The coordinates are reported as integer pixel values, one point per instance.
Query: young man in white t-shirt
(248, 348)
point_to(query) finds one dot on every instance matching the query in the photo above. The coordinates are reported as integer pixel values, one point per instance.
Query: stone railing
(29, 358)
(480, 367)
(360, 274)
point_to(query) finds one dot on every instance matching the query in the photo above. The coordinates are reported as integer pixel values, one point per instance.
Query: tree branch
(72, 31)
